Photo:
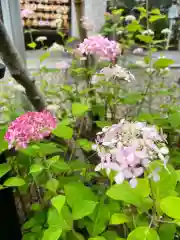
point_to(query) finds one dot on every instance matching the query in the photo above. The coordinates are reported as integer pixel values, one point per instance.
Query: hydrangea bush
(101, 162)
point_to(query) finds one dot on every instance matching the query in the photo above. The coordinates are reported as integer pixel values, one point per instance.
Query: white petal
(155, 177)
(119, 178)
(133, 182)
(138, 171)
(164, 150)
(145, 162)
(98, 167)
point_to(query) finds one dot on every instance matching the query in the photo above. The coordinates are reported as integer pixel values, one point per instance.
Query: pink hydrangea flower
(31, 126)
(25, 13)
(100, 46)
(128, 148)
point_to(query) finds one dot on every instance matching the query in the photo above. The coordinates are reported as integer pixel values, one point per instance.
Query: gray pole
(12, 22)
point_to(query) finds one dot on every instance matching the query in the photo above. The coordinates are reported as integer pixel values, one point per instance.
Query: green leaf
(85, 144)
(135, 196)
(83, 208)
(155, 11)
(155, 18)
(4, 168)
(178, 175)
(44, 56)
(145, 38)
(134, 27)
(52, 233)
(103, 124)
(143, 233)
(78, 165)
(174, 119)
(112, 235)
(32, 45)
(52, 185)
(74, 236)
(63, 131)
(60, 166)
(79, 109)
(4, 143)
(14, 182)
(119, 218)
(171, 206)
(167, 231)
(163, 63)
(63, 220)
(36, 168)
(77, 191)
(100, 218)
(58, 202)
(167, 183)
(97, 238)
(81, 199)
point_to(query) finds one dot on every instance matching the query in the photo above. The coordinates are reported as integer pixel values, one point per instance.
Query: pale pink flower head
(31, 126)
(138, 51)
(128, 148)
(25, 13)
(101, 47)
(87, 24)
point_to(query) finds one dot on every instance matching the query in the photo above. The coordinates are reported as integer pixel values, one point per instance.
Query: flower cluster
(87, 24)
(128, 148)
(100, 46)
(115, 72)
(31, 126)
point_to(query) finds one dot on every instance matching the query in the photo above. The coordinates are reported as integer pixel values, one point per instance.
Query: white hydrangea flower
(56, 47)
(148, 32)
(130, 18)
(137, 51)
(166, 31)
(41, 39)
(112, 73)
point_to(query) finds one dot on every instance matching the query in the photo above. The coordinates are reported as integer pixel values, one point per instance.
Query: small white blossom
(130, 18)
(148, 32)
(111, 73)
(141, 64)
(137, 51)
(150, 70)
(41, 39)
(56, 47)
(87, 24)
(166, 31)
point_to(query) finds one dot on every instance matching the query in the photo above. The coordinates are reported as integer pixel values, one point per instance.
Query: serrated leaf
(63, 131)
(79, 109)
(14, 182)
(142, 233)
(4, 168)
(58, 202)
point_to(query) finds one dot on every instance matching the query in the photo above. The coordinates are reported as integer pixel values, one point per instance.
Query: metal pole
(12, 21)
